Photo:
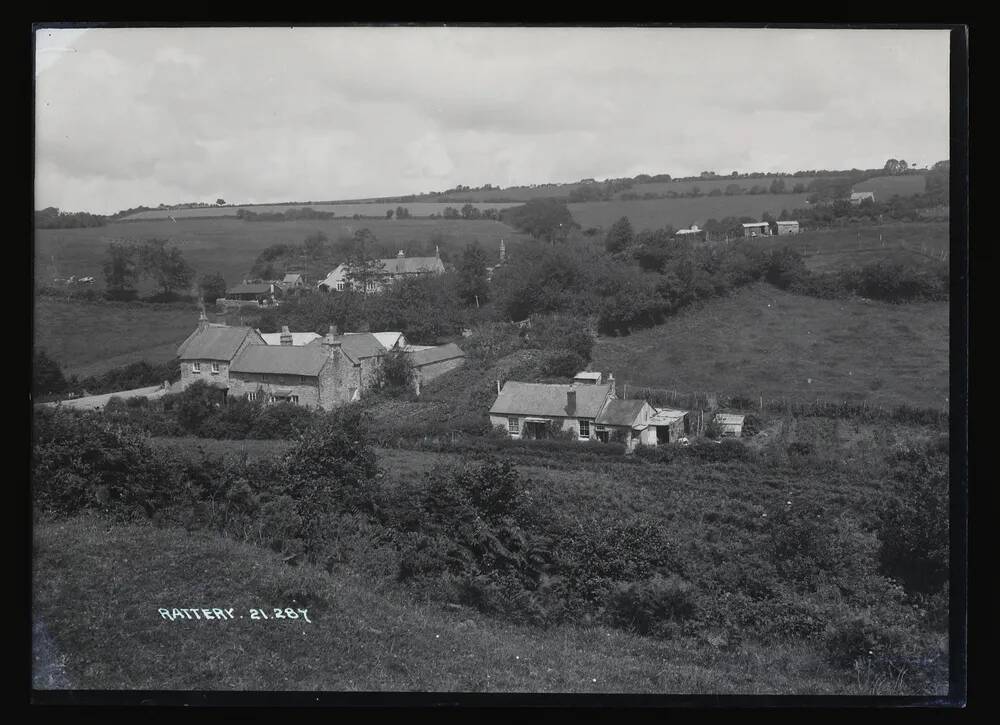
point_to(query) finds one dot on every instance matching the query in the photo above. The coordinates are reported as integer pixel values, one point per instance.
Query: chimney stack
(330, 341)
(202, 320)
(611, 379)
(437, 251)
(286, 336)
(571, 402)
(400, 254)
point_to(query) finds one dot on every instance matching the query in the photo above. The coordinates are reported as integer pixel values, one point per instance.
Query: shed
(730, 423)
(586, 377)
(757, 229)
(787, 227)
(670, 424)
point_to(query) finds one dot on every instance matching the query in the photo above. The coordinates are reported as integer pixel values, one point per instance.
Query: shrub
(653, 605)
(858, 636)
(751, 425)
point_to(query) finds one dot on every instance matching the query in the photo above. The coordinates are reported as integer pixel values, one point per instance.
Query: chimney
(437, 251)
(503, 252)
(571, 402)
(331, 343)
(202, 320)
(286, 336)
(400, 254)
(611, 379)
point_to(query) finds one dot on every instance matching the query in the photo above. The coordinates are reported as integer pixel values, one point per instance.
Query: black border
(959, 398)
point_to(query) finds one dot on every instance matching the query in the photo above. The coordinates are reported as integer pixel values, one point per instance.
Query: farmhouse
(626, 421)
(787, 227)
(757, 229)
(321, 374)
(859, 196)
(207, 352)
(399, 267)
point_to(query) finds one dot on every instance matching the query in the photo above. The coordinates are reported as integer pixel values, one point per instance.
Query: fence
(702, 401)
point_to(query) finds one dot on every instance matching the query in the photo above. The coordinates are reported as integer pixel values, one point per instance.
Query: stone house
(207, 352)
(396, 268)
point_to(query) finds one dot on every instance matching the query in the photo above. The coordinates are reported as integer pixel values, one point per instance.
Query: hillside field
(885, 187)
(103, 630)
(379, 209)
(825, 250)
(230, 246)
(88, 338)
(762, 341)
(681, 213)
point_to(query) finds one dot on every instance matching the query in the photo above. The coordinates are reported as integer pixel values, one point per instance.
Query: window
(512, 426)
(196, 367)
(251, 396)
(585, 429)
(215, 368)
(340, 286)
(294, 399)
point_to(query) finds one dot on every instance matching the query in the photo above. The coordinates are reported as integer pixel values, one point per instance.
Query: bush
(859, 636)
(653, 606)
(751, 426)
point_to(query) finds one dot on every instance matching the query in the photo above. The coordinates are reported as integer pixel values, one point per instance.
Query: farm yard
(679, 213)
(762, 341)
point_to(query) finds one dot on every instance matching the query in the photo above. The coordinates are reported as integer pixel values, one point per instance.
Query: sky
(144, 116)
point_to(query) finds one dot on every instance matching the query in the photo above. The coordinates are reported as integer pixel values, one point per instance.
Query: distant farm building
(693, 231)
(397, 268)
(260, 294)
(788, 227)
(587, 378)
(757, 229)
(730, 424)
(859, 196)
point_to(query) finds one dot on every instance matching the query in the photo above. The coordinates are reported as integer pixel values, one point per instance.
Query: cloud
(144, 116)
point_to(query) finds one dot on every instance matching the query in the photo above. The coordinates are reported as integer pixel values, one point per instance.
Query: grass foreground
(98, 588)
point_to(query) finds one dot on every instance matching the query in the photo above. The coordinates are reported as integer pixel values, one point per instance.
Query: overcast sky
(147, 116)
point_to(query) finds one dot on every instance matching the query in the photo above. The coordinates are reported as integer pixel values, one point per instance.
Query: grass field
(88, 338)
(762, 341)
(379, 209)
(230, 246)
(681, 213)
(825, 250)
(101, 613)
(885, 187)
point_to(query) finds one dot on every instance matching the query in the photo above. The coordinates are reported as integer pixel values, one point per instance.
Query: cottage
(535, 410)
(757, 229)
(207, 352)
(587, 378)
(787, 227)
(730, 424)
(399, 267)
(671, 425)
(859, 196)
(694, 230)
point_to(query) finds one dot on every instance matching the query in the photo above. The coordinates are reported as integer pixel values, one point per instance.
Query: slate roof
(253, 288)
(281, 360)
(361, 345)
(412, 265)
(436, 354)
(730, 422)
(666, 416)
(291, 278)
(550, 400)
(214, 342)
(622, 412)
(298, 338)
(862, 195)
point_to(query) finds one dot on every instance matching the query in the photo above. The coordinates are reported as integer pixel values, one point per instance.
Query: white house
(399, 267)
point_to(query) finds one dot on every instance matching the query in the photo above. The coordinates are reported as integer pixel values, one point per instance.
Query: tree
(402, 212)
(473, 283)
(121, 269)
(365, 274)
(220, 202)
(315, 244)
(213, 286)
(451, 212)
(541, 218)
(733, 189)
(165, 265)
(892, 166)
(778, 186)
(470, 212)
(388, 213)
(620, 236)
(46, 375)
